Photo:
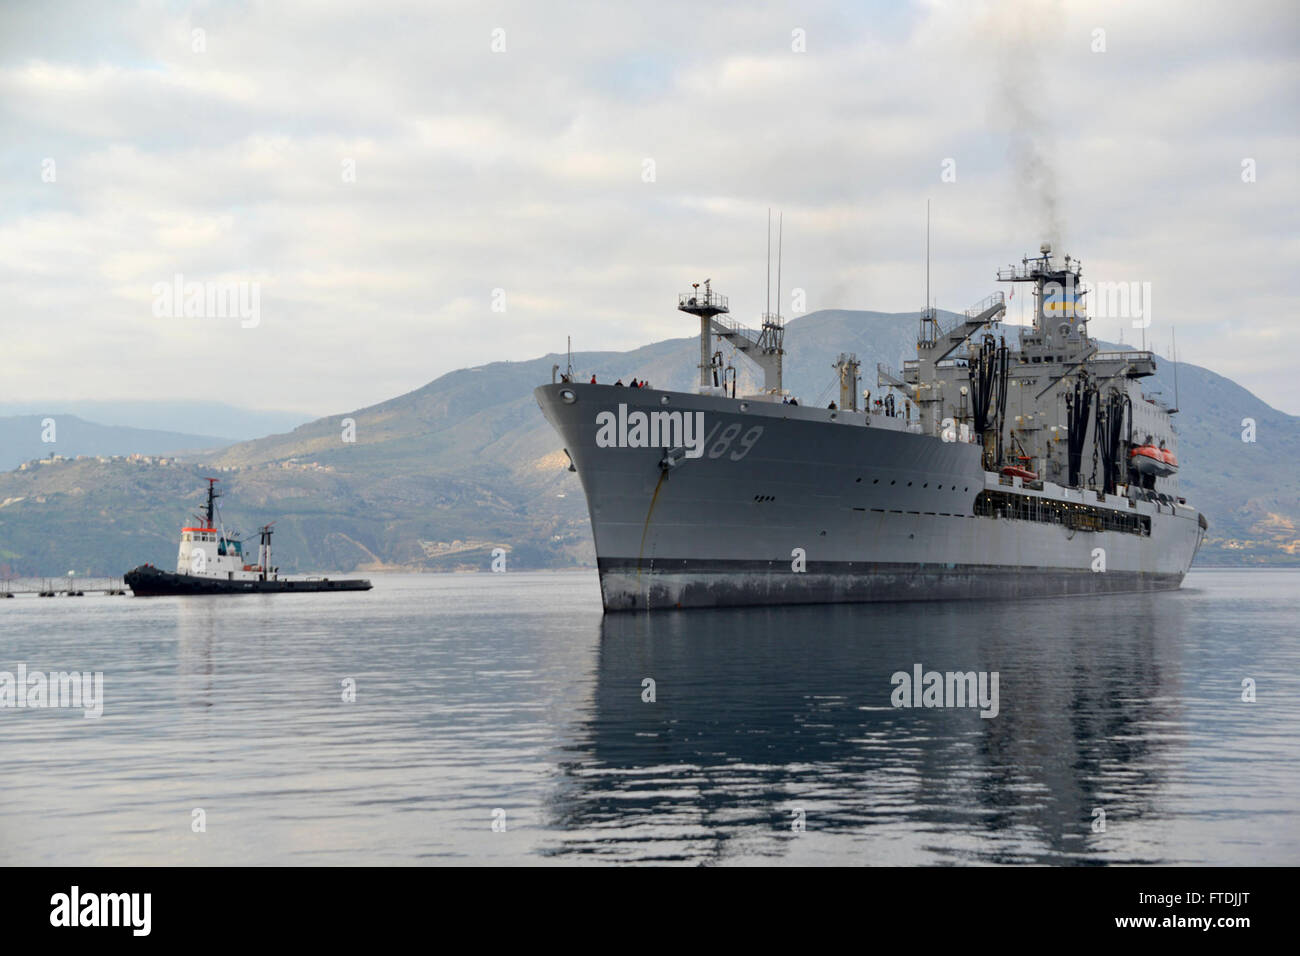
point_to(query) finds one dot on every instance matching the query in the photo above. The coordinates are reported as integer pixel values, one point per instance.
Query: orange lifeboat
(1150, 460)
(1014, 471)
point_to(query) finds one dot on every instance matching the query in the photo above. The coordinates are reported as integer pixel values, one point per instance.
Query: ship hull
(802, 505)
(709, 584)
(152, 582)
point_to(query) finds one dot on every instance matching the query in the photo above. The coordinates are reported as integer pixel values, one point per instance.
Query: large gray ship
(981, 470)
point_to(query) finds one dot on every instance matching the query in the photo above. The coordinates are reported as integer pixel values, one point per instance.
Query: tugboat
(211, 561)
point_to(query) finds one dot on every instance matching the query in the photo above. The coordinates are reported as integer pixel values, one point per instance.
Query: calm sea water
(511, 692)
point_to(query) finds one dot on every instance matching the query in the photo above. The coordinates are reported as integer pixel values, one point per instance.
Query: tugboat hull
(147, 581)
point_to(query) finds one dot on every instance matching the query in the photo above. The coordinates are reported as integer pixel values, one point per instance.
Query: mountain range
(439, 477)
(187, 417)
(27, 437)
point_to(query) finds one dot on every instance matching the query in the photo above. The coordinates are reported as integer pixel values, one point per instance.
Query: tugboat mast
(264, 549)
(213, 495)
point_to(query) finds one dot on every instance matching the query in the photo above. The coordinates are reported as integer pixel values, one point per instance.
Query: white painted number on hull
(724, 442)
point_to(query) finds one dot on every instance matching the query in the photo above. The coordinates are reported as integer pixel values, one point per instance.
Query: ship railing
(956, 327)
(941, 331)
(952, 328)
(702, 300)
(1122, 356)
(1026, 270)
(771, 337)
(984, 304)
(887, 376)
(732, 326)
(1032, 268)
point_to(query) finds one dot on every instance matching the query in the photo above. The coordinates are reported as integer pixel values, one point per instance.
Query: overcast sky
(378, 169)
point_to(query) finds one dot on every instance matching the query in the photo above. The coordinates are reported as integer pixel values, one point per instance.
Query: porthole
(568, 396)
(663, 399)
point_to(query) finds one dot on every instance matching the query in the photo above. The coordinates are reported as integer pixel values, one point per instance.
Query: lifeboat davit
(1150, 460)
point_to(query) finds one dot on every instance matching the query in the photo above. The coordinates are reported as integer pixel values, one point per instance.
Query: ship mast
(706, 306)
(213, 495)
(764, 346)
(1173, 360)
(929, 325)
(780, 235)
(264, 549)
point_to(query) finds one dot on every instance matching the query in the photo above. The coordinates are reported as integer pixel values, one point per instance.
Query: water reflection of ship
(763, 711)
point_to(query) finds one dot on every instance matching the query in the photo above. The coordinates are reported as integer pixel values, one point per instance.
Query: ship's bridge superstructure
(209, 551)
(1052, 404)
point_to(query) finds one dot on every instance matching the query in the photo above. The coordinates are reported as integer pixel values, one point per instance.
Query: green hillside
(439, 477)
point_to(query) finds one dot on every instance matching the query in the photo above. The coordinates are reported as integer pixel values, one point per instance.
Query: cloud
(526, 171)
